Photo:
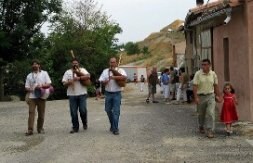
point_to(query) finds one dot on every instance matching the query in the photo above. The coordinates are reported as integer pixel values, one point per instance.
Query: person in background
(165, 81)
(77, 94)
(98, 89)
(135, 79)
(189, 91)
(161, 83)
(142, 82)
(152, 82)
(172, 85)
(182, 86)
(37, 79)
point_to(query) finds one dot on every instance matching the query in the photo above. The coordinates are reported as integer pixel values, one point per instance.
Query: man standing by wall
(109, 78)
(205, 89)
(36, 80)
(77, 93)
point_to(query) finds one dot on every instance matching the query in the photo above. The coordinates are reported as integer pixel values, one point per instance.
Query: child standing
(142, 83)
(228, 113)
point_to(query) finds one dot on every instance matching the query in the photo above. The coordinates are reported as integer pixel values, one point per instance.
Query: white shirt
(34, 79)
(76, 89)
(112, 86)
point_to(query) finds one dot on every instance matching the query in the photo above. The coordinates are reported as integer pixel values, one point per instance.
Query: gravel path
(149, 133)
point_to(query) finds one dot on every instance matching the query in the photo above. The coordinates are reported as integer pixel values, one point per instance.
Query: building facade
(223, 32)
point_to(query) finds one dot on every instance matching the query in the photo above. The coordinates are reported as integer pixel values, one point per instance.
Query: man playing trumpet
(77, 93)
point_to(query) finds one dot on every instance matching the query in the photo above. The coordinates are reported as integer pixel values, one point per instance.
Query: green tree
(87, 31)
(132, 48)
(145, 50)
(19, 22)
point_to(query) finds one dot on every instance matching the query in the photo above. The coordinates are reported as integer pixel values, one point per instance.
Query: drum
(43, 93)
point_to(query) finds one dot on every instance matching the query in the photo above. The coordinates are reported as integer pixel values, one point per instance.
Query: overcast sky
(139, 18)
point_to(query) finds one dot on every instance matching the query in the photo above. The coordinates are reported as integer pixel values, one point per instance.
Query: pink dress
(228, 112)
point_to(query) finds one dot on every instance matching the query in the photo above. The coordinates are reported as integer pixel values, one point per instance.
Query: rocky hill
(159, 45)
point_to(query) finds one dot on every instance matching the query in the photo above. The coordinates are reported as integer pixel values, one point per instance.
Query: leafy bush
(132, 48)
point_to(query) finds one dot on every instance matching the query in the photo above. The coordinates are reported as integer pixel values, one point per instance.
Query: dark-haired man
(77, 94)
(109, 78)
(37, 79)
(205, 89)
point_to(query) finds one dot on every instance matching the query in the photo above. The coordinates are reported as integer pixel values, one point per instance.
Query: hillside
(159, 45)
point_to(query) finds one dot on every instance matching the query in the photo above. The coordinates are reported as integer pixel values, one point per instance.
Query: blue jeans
(75, 103)
(112, 108)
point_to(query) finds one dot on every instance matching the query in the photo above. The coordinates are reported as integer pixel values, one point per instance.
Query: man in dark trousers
(77, 93)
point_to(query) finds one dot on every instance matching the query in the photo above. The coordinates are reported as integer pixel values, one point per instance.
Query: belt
(202, 94)
(112, 92)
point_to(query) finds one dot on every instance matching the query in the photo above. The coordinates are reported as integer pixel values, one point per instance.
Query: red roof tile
(232, 3)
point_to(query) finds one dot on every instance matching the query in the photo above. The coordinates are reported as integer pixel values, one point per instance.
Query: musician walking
(77, 94)
(36, 80)
(111, 77)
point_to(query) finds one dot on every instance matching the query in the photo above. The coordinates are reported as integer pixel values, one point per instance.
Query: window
(206, 45)
(226, 59)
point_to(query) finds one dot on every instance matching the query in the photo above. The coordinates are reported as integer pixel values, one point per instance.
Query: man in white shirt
(109, 78)
(35, 81)
(77, 93)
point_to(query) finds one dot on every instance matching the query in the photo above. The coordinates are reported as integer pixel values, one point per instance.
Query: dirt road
(148, 133)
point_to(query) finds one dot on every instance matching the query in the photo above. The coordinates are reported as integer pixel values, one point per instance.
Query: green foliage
(19, 22)
(89, 33)
(85, 29)
(132, 48)
(145, 50)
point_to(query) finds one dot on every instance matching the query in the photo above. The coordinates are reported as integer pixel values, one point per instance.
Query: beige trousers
(40, 104)
(206, 111)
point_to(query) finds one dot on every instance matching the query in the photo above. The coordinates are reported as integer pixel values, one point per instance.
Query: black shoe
(41, 131)
(201, 130)
(85, 127)
(29, 133)
(229, 133)
(111, 130)
(155, 102)
(115, 132)
(147, 100)
(73, 131)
